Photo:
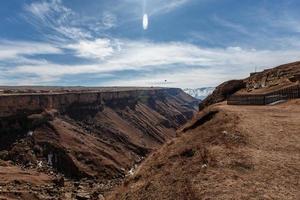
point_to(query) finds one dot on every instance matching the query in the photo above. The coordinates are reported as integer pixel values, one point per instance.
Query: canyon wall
(90, 133)
(11, 104)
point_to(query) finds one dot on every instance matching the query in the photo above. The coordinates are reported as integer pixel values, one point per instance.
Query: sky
(168, 43)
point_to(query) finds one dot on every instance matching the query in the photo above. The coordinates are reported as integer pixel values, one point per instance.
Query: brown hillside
(229, 152)
(249, 152)
(95, 137)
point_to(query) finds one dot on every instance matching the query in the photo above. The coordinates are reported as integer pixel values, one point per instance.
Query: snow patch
(199, 93)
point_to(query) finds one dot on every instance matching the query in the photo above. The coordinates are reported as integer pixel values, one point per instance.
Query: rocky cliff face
(282, 75)
(90, 133)
(269, 80)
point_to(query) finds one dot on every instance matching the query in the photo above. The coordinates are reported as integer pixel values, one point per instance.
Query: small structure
(291, 92)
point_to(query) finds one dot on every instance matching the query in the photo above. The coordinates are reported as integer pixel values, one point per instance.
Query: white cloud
(187, 65)
(55, 19)
(59, 23)
(97, 49)
(12, 50)
(182, 64)
(138, 54)
(182, 78)
(40, 9)
(49, 11)
(135, 54)
(72, 32)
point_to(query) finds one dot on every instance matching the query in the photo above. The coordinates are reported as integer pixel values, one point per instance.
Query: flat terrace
(34, 101)
(53, 90)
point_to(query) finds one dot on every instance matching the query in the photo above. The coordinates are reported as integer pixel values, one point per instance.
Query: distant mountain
(199, 93)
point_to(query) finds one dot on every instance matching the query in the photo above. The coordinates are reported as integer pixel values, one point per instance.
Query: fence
(291, 92)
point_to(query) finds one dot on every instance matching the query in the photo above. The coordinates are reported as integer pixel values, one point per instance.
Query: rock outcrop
(222, 92)
(282, 75)
(259, 83)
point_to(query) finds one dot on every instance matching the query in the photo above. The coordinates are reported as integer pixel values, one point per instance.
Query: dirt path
(274, 147)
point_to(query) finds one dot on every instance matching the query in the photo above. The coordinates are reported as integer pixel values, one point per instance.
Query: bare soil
(242, 152)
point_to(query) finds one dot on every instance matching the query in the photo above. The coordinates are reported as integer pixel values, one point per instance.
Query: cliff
(89, 133)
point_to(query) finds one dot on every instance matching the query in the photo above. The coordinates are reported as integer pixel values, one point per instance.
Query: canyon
(152, 143)
(229, 150)
(86, 133)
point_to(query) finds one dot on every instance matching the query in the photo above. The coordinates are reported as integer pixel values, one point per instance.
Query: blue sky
(189, 43)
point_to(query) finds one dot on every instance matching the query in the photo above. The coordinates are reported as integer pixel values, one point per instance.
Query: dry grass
(241, 153)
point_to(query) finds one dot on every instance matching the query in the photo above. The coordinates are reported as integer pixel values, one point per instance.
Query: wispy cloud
(162, 7)
(51, 16)
(109, 20)
(135, 9)
(86, 39)
(181, 63)
(41, 9)
(60, 23)
(16, 49)
(286, 23)
(231, 25)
